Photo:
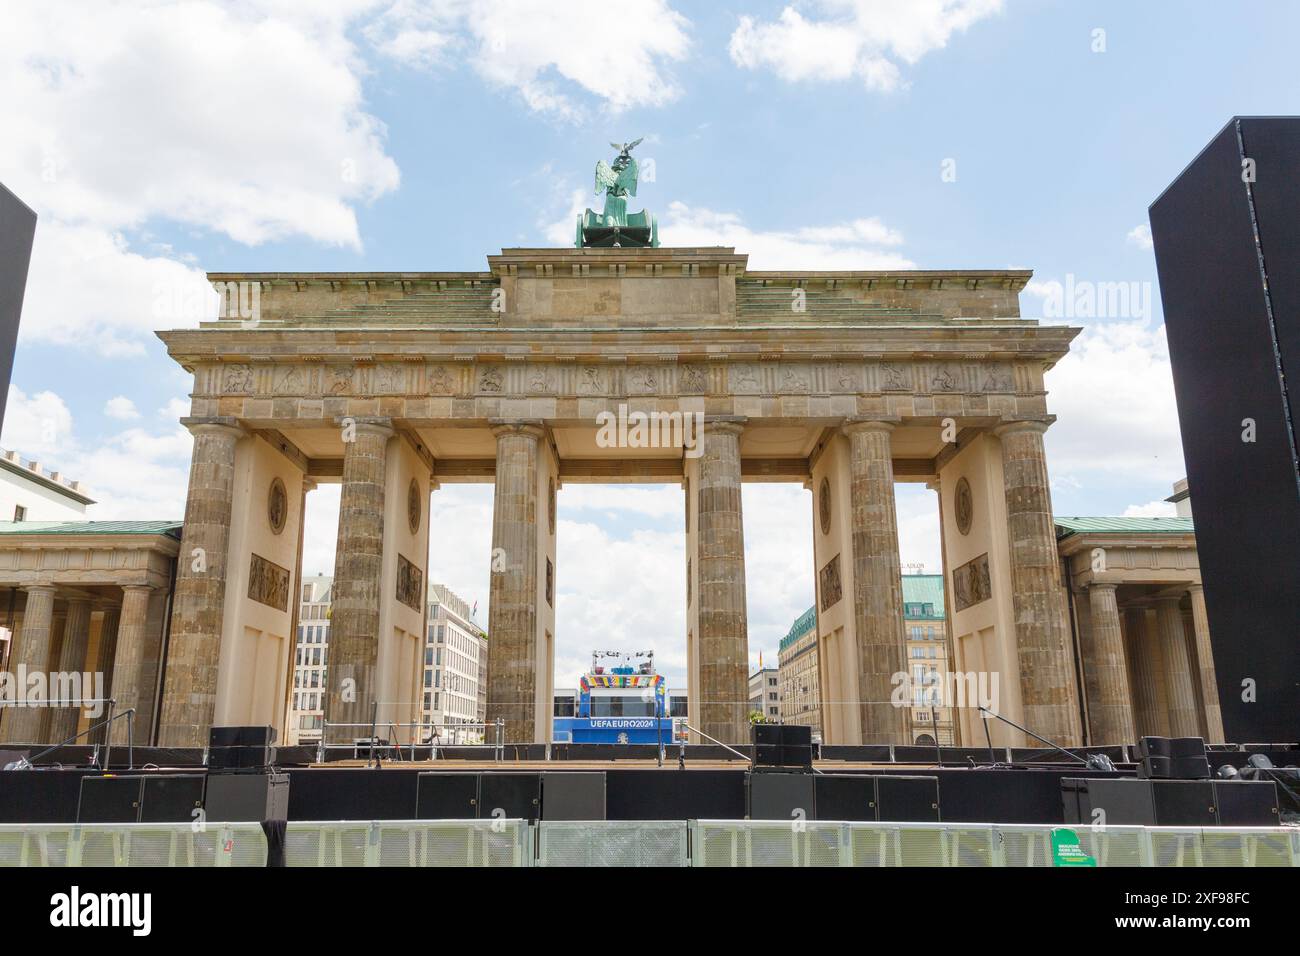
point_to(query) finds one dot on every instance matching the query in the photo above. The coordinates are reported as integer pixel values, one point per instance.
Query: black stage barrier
(1002, 796)
(510, 796)
(40, 796)
(675, 794)
(1118, 753)
(447, 796)
(348, 794)
(573, 796)
(907, 799)
(858, 753)
(1246, 803)
(845, 796)
(604, 751)
(712, 752)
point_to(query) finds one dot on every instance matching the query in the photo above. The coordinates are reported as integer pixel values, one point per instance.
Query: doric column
(724, 630)
(194, 647)
(1105, 672)
(58, 625)
(512, 615)
(129, 689)
(1042, 631)
(877, 583)
(1178, 670)
(104, 659)
(1205, 664)
(358, 568)
(72, 660)
(1149, 717)
(22, 725)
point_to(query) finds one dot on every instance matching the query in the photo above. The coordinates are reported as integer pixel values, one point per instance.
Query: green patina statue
(616, 226)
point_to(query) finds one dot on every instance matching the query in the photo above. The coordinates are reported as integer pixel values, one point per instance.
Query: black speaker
(109, 799)
(1246, 803)
(845, 796)
(447, 796)
(1183, 803)
(518, 796)
(783, 747)
(573, 796)
(781, 796)
(253, 736)
(1227, 239)
(1122, 802)
(241, 757)
(902, 799)
(171, 798)
(247, 797)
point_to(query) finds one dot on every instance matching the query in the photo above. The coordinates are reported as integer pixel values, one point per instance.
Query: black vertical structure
(17, 229)
(1227, 245)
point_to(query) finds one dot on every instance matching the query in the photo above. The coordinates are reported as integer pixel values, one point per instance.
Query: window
(20, 513)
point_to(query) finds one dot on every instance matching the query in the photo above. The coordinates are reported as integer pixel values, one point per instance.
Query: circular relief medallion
(277, 505)
(964, 506)
(824, 505)
(413, 506)
(550, 504)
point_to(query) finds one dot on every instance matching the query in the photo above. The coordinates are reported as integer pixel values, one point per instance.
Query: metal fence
(725, 843)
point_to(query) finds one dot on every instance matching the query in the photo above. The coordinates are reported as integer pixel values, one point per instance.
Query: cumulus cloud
(1117, 419)
(121, 408)
(1140, 236)
(1152, 509)
(866, 40)
(545, 51)
(136, 473)
(245, 120)
(862, 243)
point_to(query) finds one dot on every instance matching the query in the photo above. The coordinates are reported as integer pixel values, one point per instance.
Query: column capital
(1102, 585)
(39, 588)
(1195, 589)
(138, 588)
(1014, 425)
(215, 425)
(530, 427)
(1168, 599)
(375, 424)
(725, 424)
(888, 423)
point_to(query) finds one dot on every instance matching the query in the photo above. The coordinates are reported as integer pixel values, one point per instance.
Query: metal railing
(28, 762)
(715, 843)
(417, 736)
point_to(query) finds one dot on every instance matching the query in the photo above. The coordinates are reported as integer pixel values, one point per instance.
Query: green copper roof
(172, 528)
(1068, 526)
(922, 589)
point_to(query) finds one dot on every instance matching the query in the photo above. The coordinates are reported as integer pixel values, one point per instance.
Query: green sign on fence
(1066, 850)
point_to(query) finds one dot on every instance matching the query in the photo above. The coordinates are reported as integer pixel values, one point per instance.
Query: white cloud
(862, 39)
(121, 408)
(36, 425)
(132, 474)
(247, 120)
(862, 243)
(1152, 509)
(851, 245)
(1117, 420)
(545, 51)
(1140, 236)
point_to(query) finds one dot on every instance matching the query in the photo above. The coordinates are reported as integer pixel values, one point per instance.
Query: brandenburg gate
(397, 383)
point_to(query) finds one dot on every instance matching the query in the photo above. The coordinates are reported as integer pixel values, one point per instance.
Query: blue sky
(160, 140)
